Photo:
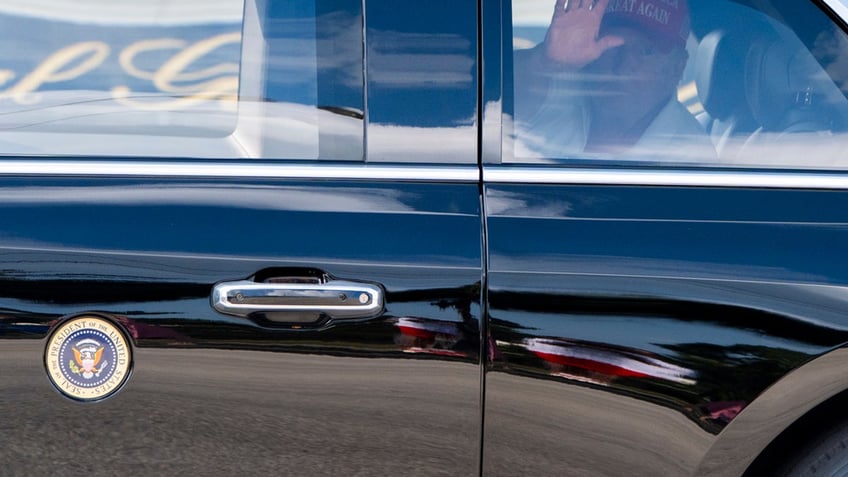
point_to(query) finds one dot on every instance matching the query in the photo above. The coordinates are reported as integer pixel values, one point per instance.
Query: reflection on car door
(212, 392)
(252, 314)
(641, 312)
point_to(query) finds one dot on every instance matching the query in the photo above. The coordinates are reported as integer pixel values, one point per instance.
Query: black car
(364, 237)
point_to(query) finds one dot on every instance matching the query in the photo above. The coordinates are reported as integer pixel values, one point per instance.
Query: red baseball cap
(667, 19)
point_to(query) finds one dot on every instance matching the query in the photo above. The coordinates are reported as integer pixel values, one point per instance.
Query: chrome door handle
(336, 298)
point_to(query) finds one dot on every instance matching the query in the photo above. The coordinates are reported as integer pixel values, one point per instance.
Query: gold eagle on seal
(88, 353)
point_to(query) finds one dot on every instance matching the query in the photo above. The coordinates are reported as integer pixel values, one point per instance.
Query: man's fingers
(609, 42)
(560, 7)
(565, 6)
(601, 6)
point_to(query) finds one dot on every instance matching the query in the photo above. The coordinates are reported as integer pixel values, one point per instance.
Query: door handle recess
(338, 299)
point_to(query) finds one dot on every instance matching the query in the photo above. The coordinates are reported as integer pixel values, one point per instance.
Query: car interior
(767, 80)
(762, 85)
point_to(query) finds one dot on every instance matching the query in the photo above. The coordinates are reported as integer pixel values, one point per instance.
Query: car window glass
(697, 82)
(422, 81)
(189, 78)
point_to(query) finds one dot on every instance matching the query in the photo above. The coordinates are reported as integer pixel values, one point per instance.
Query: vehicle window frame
(501, 165)
(461, 150)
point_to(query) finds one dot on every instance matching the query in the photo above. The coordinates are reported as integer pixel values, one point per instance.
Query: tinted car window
(422, 81)
(702, 82)
(183, 79)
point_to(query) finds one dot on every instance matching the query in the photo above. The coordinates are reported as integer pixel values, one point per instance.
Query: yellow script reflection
(68, 63)
(177, 69)
(182, 85)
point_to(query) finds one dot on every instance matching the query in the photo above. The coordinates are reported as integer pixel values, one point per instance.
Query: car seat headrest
(719, 72)
(785, 86)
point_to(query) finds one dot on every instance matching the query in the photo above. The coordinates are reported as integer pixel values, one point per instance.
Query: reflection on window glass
(677, 82)
(307, 82)
(188, 78)
(422, 82)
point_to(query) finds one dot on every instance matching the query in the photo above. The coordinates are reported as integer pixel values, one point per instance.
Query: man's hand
(572, 40)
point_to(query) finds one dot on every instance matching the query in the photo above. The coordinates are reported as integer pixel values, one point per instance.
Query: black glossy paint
(642, 321)
(630, 330)
(216, 394)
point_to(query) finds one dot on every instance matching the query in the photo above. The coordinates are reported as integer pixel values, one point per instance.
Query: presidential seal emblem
(88, 358)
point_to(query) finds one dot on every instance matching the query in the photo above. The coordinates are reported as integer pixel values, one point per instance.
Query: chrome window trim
(679, 178)
(419, 173)
(238, 170)
(838, 7)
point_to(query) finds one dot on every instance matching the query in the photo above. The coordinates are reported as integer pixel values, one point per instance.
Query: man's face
(638, 76)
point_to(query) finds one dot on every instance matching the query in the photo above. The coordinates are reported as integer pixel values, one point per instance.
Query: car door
(228, 248)
(665, 311)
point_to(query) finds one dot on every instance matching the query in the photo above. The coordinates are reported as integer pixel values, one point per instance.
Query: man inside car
(604, 81)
